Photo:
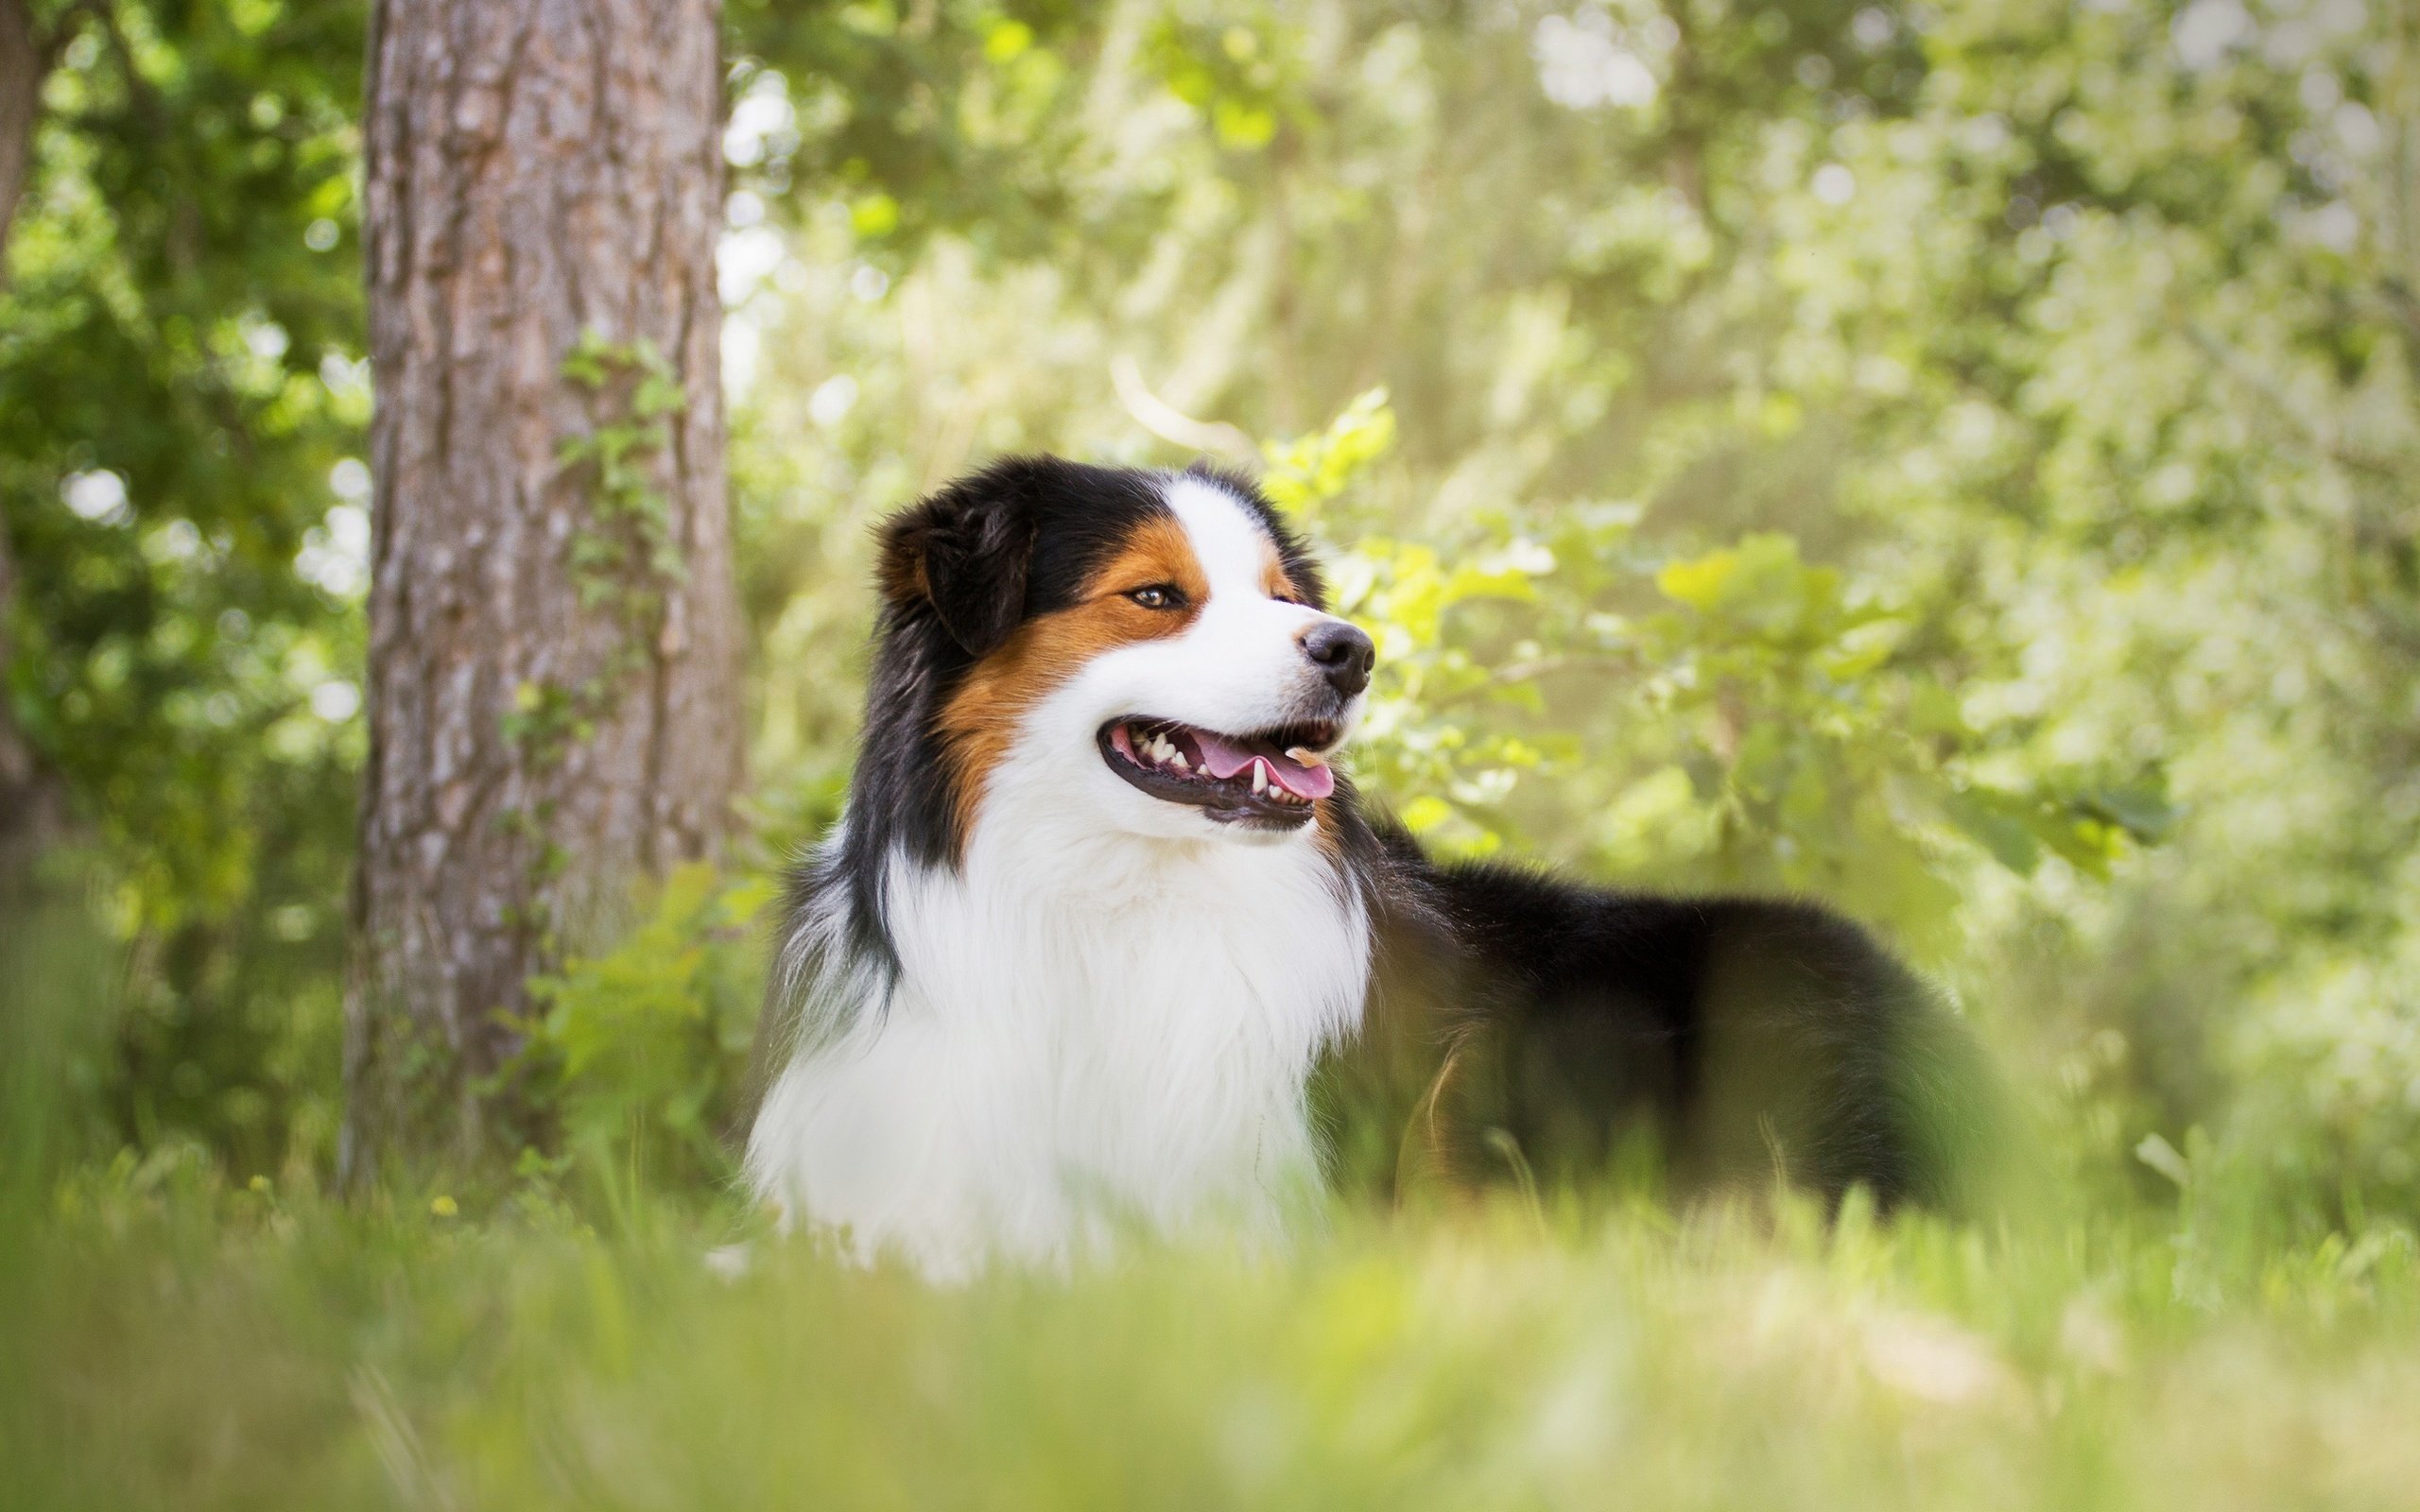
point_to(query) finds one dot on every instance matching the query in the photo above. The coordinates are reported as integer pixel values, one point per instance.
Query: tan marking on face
(980, 719)
(1329, 830)
(1274, 580)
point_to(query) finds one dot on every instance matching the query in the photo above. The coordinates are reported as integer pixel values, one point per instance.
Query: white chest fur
(1087, 1030)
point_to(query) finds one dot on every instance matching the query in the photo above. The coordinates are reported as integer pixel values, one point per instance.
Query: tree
(24, 60)
(28, 797)
(21, 73)
(553, 673)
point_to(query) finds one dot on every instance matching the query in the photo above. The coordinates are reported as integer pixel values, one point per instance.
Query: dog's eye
(1159, 596)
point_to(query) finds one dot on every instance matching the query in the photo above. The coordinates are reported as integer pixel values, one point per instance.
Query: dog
(1101, 905)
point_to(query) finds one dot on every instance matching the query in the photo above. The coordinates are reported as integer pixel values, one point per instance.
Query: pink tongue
(1224, 759)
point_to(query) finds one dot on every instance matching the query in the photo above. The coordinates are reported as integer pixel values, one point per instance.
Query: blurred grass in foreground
(169, 1338)
(178, 1345)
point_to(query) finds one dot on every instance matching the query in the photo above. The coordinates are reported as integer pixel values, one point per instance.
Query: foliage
(908, 121)
(182, 399)
(640, 1051)
(1402, 593)
(627, 551)
(1793, 753)
(622, 558)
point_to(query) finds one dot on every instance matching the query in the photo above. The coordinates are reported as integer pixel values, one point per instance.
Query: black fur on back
(1528, 1018)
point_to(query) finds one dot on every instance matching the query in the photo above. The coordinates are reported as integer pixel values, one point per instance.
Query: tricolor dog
(1101, 901)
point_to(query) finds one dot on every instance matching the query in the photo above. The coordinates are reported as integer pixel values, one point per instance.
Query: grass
(178, 1345)
(169, 1340)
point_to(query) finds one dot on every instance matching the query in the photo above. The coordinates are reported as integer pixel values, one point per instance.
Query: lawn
(174, 1342)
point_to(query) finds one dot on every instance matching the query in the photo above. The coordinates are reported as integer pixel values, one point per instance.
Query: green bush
(637, 1056)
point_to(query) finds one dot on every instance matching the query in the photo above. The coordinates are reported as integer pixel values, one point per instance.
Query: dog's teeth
(1179, 762)
(1307, 756)
(1259, 779)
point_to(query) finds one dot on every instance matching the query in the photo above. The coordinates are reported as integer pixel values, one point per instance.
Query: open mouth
(1269, 779)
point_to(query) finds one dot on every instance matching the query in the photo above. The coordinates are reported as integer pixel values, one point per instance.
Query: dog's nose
(1343, 655)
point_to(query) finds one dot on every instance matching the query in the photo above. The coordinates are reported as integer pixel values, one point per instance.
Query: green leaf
(875, 216)
(2001, 823)
(1702, 583)
(2141, 809)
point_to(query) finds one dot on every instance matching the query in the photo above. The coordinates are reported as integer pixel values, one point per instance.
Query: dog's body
(1099, 908)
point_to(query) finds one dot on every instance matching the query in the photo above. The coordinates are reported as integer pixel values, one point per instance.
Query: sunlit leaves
(908, 121)
(1759, 591)
(1242, 78)
(637, 1050)
(1310, 470)
(1421, 747)
(1780, 738)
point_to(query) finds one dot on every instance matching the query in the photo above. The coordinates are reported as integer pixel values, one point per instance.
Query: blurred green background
(1955, 460)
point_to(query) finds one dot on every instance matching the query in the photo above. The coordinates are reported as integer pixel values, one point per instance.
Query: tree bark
(554, 641)
(23, 61)
(30, 802)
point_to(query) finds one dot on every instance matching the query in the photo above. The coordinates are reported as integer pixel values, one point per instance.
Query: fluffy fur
(1097, 911)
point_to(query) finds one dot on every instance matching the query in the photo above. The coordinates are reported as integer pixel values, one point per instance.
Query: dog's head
(1151, 650)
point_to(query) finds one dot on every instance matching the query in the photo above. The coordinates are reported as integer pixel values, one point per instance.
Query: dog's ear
(963, 552)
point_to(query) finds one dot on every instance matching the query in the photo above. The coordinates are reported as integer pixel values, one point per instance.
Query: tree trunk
(23, 61)
(29, 806)
(553, 690)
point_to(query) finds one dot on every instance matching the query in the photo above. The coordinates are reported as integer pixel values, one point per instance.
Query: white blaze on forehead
(1228, 539)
